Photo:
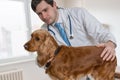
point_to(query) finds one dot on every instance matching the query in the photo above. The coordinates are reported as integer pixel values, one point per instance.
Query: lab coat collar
(56, 35)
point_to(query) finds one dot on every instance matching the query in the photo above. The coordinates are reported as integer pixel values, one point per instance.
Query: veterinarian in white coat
(81, 27)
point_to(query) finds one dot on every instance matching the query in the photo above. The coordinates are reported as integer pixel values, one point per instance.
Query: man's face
(46, 12)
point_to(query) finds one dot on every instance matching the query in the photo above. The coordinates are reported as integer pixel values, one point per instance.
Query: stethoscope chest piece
(71, 36)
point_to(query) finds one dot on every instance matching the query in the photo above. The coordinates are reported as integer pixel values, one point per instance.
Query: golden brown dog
(69, 63)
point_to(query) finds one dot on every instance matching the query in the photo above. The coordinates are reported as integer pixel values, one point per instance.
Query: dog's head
(42, 42)
(38, 38)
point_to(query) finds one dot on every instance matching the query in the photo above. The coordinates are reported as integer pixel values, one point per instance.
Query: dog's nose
(25, 46)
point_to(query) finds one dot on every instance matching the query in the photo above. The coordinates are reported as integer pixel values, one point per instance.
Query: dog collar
(55, 53)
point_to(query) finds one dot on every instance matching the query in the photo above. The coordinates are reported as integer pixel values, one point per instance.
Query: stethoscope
(71, 34)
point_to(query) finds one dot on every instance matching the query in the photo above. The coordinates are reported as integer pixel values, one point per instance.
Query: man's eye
(45, 10)
(37, 38)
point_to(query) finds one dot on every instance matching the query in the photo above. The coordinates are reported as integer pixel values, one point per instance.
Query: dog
(69, 63)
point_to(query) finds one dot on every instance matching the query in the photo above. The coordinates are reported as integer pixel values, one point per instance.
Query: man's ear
(54, 4)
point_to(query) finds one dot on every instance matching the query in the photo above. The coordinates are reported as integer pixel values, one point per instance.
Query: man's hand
(109, 51)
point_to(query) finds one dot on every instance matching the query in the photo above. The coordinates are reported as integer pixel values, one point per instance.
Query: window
(13, 29)
(35, 20)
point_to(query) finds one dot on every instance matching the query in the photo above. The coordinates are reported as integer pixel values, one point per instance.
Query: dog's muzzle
(26, 46)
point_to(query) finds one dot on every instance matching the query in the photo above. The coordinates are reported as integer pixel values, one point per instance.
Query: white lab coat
(86, 29)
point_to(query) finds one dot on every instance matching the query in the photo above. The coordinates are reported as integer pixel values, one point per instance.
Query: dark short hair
(34, 3)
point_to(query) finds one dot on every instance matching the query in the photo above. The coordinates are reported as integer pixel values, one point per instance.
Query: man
(80, 27)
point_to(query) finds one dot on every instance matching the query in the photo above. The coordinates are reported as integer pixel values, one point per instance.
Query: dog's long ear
(48, 42)
(47, 48)
(45, 34)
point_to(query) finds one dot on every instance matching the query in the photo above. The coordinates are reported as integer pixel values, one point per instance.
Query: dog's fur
(70, 63)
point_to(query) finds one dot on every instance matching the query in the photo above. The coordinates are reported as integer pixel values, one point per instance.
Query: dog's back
(74, 62)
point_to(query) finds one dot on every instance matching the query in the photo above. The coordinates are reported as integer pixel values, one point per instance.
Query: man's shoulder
(73, 10)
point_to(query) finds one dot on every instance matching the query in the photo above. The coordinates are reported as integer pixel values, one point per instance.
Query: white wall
(60, 2)
(73, 3)
(30, 70)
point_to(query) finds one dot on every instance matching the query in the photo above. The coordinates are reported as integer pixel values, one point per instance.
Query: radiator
(11, 75)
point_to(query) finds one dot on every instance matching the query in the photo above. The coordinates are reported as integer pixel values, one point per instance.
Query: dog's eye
(37, 38)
